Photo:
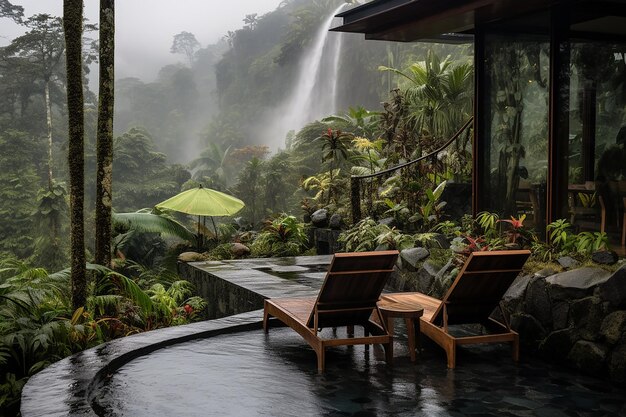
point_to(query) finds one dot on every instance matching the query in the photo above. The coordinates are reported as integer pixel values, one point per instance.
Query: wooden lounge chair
(474, 294)
(348, 297)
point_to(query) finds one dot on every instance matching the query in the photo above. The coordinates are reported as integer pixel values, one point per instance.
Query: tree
(40, 51)
(12, 12)
(187, 44)
(104, 197)
(73, 26)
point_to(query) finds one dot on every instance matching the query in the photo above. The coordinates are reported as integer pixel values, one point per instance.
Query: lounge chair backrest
(480, 285)
(352, 287)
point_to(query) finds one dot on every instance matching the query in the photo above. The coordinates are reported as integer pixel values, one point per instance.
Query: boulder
(528, 327)
(538, 303)
(617, 363)
(411, 257)
(335, 222)
(239, 250)
(191, 257)
(441, 241)
(545, 272)
(443, 280)
(587, 315)
(560, 315)
(588, 356)
(614, 289)
(388, 221)
(513, 299)
(605, 257)
(426, 277)
(576, 283)
(320, 218)
(558, 343)
(567, 262)
(613, 327)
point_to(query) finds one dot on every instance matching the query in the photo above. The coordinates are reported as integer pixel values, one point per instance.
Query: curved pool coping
(65, 388)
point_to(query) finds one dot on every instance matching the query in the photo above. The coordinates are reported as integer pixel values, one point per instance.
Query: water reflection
(249, 374)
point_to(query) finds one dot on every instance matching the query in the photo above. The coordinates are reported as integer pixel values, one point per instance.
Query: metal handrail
(355, 180)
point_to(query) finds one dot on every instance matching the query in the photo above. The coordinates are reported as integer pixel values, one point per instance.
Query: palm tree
(439, 94)
(104, 197)
(359, 121)
(73, 25)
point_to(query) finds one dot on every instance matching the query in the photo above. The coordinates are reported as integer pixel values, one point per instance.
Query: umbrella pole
(199, 236)
(215, 228)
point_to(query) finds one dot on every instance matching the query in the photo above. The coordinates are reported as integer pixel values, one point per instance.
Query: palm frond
(152, 223)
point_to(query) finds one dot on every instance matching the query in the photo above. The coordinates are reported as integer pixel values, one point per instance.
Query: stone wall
(226, 298)
(576, 318)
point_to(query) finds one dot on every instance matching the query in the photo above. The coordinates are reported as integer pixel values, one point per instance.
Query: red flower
(516, 223)
(188, 309)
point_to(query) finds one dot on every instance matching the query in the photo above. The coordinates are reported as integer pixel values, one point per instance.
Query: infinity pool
(251, 374)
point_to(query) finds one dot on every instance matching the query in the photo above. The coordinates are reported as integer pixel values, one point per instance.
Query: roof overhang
(410, 20)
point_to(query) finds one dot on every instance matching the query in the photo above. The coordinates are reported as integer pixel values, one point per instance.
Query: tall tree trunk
(73, 26)
(104, 197)
(49, 129)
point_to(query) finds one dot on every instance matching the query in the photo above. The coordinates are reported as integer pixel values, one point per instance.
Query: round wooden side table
(411, 313)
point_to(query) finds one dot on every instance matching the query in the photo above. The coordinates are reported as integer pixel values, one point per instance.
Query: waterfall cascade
(314, 94)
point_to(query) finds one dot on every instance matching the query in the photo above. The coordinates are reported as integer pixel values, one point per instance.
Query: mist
(144, 29)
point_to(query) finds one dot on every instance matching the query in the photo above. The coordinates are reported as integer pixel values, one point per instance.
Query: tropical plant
(392, 238)
(430, 211)
(281, 236)
(358, 120)
(362, 237)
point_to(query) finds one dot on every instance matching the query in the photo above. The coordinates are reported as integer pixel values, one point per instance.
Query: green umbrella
(203, 202)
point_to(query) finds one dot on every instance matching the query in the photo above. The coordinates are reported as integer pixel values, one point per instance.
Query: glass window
(516, 126)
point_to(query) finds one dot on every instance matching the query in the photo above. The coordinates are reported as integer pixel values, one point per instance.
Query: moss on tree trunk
(104, 197)
(73, 26)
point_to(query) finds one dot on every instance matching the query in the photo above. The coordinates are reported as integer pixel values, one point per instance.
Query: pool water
(253, 374)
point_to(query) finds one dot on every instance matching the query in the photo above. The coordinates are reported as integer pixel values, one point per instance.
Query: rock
(320, 218)
(388, 221)
(545, 272)
(190, 257)
(613, 326)
(411, 257)
(558, 343)
(567, 262)
(576, 283)
(605, 257)
(588, 357)
(560, 315)
(529, 329)
(443, 280)
(335, 222)
(441, 241)
(239, 250)
(426, 277)
(587, 315)
(513, 299)
(614, 289)
(617, 363)
(538, 303)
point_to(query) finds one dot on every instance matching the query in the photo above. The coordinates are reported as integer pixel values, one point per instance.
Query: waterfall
(314, 94)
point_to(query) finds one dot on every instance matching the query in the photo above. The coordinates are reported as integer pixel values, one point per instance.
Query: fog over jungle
(144, 28)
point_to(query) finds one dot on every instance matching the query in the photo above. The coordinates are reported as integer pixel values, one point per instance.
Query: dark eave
(409, 20)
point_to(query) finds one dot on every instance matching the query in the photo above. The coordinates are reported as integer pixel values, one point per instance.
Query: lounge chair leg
(320, 360)
(265, 321)
(389, 352)
(451, 354)
(350, 330)
(515, 348)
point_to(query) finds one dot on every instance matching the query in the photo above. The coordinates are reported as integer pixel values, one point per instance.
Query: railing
(355, 180)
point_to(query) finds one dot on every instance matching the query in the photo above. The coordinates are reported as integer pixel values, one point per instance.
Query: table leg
(410, 329)
(389, 321)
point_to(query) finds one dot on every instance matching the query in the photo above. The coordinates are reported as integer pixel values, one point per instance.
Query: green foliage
(282, 236)
(362, 237)
(392, 238)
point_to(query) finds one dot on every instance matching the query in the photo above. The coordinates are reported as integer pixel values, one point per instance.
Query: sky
(145, 28)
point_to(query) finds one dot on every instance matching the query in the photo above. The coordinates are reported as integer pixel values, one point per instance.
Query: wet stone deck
(187, 370)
